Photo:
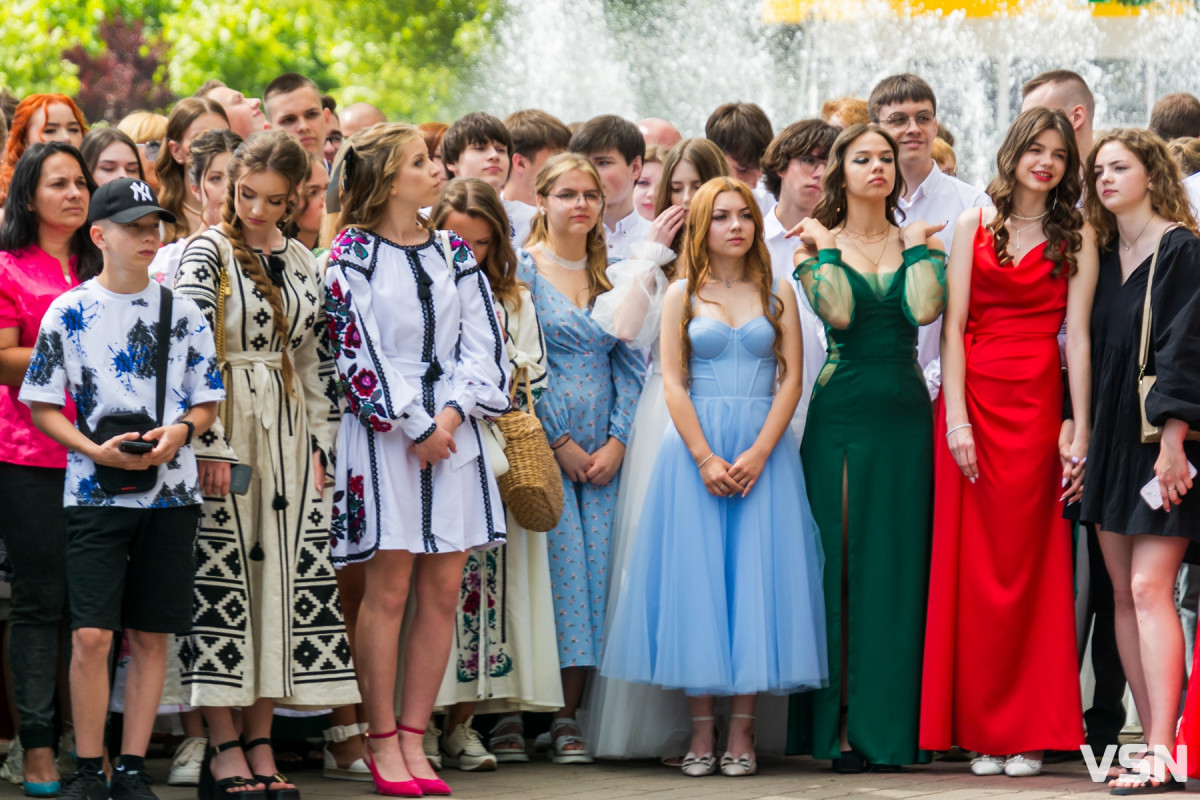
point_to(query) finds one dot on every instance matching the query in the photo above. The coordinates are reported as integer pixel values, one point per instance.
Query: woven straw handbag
(532, 487)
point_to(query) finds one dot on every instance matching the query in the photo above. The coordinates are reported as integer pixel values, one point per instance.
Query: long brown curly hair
(266, 151)
(1168, 198)
(597, 251)
(708, 161)
(831, 209)
(698, 269)
(477, 199)
(1063, 222)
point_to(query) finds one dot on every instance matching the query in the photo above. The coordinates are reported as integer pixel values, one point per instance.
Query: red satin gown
(1001, 672)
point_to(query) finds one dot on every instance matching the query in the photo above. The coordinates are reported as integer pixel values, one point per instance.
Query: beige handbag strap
(1147, 314)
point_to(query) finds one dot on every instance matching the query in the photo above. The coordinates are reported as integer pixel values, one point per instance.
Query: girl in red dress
(1001, 668)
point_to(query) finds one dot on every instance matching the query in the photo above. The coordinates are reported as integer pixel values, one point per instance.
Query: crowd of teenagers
(833, 429)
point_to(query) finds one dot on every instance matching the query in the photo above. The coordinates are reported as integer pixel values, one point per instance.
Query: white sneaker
(13, 770)
(464, 749)
(66, 752)
(1019, 766)
(185, 767)
(987, 765)
(429, 743)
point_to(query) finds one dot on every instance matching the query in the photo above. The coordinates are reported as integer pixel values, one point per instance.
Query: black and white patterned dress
(267, 622)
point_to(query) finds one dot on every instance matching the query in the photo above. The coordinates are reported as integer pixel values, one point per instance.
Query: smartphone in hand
(1152, 494)
(136, 446)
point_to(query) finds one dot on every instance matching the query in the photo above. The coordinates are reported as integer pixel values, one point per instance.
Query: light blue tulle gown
(722, 595)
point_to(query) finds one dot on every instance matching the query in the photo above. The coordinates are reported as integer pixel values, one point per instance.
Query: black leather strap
(164, 351)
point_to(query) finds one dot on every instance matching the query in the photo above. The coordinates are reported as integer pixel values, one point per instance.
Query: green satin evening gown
(871, 421)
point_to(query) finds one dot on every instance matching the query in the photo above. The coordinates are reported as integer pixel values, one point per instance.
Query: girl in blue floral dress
(587, 410)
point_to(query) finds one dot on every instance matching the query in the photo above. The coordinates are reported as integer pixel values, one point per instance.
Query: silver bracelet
(957, 428)
(705, 460)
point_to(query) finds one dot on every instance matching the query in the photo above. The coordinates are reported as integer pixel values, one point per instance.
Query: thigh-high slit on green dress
(871, 420)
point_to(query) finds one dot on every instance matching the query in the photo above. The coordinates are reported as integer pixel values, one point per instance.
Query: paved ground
(777, 779)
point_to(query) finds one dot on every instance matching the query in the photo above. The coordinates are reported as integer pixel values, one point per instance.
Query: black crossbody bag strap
(164, 351)
(161, 354)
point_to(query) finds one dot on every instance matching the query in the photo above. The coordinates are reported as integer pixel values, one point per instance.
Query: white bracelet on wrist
(957, 428)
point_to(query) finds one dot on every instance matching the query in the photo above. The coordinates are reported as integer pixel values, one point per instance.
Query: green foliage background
(409, 57)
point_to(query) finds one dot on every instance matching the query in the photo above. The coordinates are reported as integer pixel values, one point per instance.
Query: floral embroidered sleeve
(482, 372)
(377, 395)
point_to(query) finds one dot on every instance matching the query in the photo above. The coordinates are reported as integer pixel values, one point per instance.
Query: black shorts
(131, 567)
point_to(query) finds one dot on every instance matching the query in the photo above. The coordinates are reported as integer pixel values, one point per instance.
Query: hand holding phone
(1152, 494)
(137, 446)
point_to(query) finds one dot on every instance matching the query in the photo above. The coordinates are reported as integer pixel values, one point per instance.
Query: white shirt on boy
(100, 346)
(812, 329)
(939, 198)
(629, 231)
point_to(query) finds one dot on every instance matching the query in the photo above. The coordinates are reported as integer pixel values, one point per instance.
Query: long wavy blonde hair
(597, 251)
(698, 269)
(370, 161)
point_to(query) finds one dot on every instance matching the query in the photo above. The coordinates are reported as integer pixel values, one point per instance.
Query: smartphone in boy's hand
(137, 446)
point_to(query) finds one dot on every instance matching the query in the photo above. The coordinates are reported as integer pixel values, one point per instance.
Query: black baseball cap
(124, 200)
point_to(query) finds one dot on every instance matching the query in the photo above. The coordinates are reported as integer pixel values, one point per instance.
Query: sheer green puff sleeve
(924, 284)
(827, 287)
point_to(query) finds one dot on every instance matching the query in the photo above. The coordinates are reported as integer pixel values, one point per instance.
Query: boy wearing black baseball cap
(141, 366)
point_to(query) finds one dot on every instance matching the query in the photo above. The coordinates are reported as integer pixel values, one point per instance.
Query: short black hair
(20, 227)
(477, 127)
(741, 130)
(903, 88)
(798, 139)
(608, 132)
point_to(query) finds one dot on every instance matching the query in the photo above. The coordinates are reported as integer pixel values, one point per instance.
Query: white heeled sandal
(358, 769)
(741, 766)
(699, 766)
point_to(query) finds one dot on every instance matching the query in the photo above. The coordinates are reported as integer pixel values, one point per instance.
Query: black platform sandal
(291, 793)
(210, 788)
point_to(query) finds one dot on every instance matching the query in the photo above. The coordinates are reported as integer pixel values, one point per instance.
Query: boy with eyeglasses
(616, 148)
(905, 106)
(792, 169)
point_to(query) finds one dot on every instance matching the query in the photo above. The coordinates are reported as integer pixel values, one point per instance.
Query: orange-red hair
(18, 134)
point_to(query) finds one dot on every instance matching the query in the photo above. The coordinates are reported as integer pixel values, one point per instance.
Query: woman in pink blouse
(44, 250)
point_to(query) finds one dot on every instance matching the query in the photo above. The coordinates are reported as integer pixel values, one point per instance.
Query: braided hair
(267, 151)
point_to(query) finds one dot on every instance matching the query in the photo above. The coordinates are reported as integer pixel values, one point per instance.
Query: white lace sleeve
(632, 310)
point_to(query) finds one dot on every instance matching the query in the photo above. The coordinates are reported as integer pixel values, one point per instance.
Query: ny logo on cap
(141, 191)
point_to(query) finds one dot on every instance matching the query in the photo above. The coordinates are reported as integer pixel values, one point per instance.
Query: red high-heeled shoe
(433, 786)
(408, 788)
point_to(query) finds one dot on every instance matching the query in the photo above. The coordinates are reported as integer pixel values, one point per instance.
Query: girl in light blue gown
(722, 594)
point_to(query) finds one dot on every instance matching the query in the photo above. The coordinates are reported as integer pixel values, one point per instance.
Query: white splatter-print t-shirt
(101, 347)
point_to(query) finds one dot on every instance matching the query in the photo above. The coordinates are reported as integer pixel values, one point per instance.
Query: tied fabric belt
(266, 390)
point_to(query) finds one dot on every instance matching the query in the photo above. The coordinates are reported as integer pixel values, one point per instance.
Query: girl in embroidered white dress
(421, 361)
